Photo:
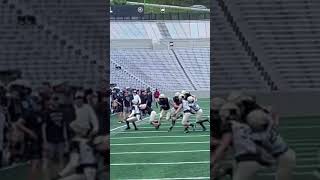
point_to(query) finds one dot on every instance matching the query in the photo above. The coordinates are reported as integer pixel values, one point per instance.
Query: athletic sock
(135, 126)
(203, 127)
(128, 126)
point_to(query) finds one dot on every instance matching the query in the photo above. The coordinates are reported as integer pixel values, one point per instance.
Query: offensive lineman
(190, 107)
(176, 110)
(164, 112)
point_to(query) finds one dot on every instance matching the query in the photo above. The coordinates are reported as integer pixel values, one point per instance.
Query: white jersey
(135, 110)
(137, 98)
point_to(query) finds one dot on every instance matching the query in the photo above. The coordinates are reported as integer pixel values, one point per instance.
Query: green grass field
(174, 153)
(159, 154)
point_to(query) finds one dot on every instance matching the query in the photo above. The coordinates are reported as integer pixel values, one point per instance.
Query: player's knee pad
(153, 116)
(288, 158)
(185, 118)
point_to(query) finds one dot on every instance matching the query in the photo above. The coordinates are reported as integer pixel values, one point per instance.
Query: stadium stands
(160, 66)
(288, 34)
(232, 68)
(49, 46)
(197, 65)
(157, 68)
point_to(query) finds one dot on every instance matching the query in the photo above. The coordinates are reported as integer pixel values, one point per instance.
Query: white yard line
(137, 144)
(167, 163)
(160, 152)
(152, 137)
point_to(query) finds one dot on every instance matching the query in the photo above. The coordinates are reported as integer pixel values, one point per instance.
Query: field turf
(158, 154)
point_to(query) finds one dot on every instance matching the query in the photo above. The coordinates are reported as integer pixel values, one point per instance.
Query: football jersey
(135, 110)
(164, 104)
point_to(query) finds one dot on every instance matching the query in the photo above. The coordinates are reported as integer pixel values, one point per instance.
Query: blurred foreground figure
(249, 131)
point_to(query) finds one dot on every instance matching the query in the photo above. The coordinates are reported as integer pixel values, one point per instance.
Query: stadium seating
(52, 48)
(197, 65)
(232, 68)
(157, 68)
(160, 30)
(287, 31)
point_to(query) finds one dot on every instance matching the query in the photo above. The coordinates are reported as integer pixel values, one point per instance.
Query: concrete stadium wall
(290, 104)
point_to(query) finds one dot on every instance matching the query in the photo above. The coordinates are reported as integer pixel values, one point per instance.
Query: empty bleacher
(157, 68)
(288, 32)
(50, 47)
(232, 68)
(196, 63)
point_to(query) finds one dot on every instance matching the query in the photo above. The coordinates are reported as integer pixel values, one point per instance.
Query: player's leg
(162, 114)
(185, 122)
(129, 120)
(246, 170)
(173, 119)
(153, 121)
(168, 115)
(286, 165)
(199, 119)
(134, 122)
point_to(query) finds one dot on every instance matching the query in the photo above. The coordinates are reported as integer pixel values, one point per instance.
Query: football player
(164, 112)
(176, 110)
(134, 116)
(255, 141)
(187, 111)
(164, 107)
(195, 109)
(83, 161)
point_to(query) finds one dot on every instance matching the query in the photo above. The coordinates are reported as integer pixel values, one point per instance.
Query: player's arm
(71, 166)
(225, 142)
(178, 109)
(20, 125)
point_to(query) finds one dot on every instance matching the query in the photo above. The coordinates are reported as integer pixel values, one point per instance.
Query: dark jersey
(55, 124)
(149, 98)
(176, 100)
(164, 103)
(33, 121)
(143, 99)
(127, 100)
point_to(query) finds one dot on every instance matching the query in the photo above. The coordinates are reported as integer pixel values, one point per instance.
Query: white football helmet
(190, 99)
(162, 96)
(258, 120)
(177, 94)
